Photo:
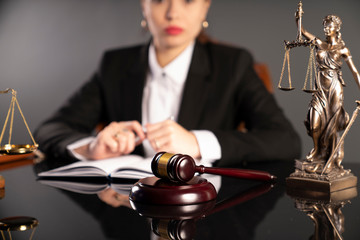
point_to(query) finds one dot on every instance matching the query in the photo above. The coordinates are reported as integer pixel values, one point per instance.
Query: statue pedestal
(323, 197)
(307, 176)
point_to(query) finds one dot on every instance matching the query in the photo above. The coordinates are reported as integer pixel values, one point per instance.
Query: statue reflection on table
(326, 115)
(325, 212)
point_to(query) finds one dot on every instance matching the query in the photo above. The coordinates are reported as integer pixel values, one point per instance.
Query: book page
(133, 168)
(79, 187)
(129, 166)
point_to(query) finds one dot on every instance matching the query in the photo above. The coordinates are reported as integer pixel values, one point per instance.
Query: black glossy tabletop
(243, 209)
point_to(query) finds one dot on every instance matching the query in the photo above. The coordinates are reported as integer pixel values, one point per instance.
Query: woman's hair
(335, 19)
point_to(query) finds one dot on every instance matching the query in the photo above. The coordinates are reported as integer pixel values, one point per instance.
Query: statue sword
(300, 12)
(331, 158)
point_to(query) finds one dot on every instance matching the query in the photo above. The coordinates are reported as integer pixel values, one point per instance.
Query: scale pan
(286, 88)
(309, 91)
(18, 223)
(13, 149)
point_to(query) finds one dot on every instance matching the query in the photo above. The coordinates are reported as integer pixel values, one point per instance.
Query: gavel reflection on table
(179, 222)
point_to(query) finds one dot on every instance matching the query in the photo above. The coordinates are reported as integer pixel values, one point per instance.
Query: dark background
(48, 48)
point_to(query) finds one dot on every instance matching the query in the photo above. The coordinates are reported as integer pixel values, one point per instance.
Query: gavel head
(174, 167)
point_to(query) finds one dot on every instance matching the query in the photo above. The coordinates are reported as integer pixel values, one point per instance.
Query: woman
(176, 94)
(326, 116)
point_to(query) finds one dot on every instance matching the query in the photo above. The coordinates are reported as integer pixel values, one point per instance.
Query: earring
(143, 23)
(205, 24)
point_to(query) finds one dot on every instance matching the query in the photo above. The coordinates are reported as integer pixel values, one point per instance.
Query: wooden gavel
(182, 168)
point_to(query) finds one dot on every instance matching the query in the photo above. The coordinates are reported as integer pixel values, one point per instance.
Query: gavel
(182, 168)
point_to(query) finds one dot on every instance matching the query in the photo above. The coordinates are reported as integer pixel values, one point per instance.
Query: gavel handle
(238, 173)
(243, 197)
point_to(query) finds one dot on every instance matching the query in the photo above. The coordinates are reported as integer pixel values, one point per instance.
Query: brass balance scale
(12, 152)
(9, 148)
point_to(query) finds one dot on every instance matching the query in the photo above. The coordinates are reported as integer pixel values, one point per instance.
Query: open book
(129, 166)
(89, 187)
(119, 173)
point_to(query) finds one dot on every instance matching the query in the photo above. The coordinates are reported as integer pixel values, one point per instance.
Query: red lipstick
(173, 30)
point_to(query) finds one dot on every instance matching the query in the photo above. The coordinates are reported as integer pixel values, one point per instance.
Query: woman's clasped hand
(121, 138)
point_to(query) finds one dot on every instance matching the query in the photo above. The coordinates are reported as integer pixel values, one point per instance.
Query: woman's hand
(169, 136)
(118, 138)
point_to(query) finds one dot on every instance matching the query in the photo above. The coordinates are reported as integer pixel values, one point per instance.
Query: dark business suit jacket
(221, 90)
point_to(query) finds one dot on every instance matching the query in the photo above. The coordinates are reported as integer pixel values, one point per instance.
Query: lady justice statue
(326, 115)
